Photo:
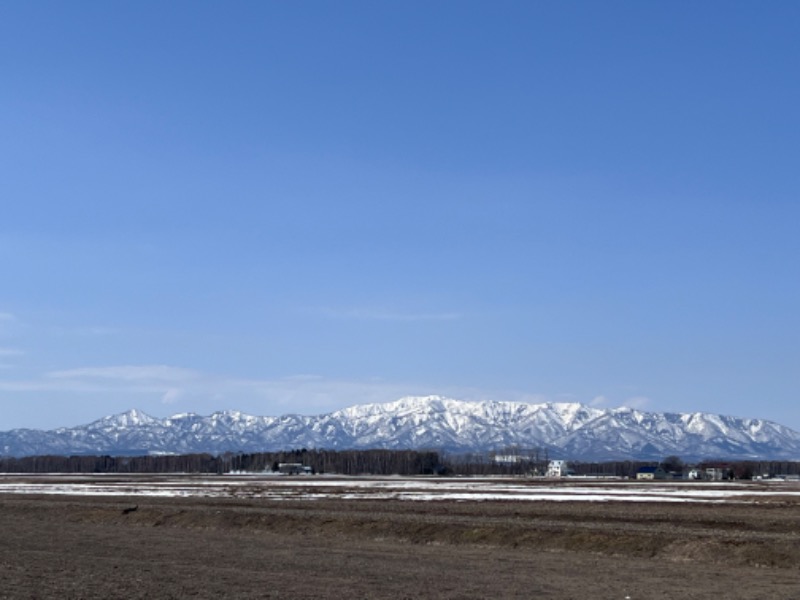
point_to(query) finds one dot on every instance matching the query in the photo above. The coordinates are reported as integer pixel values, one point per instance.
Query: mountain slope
(566, 430)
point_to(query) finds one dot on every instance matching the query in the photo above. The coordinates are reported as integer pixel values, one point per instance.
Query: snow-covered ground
(410, 489)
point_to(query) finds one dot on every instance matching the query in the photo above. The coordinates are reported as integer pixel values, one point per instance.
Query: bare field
(245, 537)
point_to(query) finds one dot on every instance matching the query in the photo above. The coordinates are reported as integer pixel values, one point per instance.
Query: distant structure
(511, 459)
(558, 468)
(294, 469)
(650, 473)
(717, 472)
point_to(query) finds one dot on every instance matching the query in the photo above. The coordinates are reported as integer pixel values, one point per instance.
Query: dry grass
(91, 547)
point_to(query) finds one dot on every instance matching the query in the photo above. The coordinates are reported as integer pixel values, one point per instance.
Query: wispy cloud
(54, 386)
(640, 402)
(156, 385)
(172, 395)
(91, 331)
(6, 319)
(304, 393)
(637, 402)
(152, 387)
(152, 373)
(7, 356)
(11, 352)
(145, 379)
(368, 314)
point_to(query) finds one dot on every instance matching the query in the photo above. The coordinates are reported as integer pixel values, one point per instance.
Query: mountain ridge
(569, 430)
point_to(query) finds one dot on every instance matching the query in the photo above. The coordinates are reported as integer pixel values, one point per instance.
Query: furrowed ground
(345, 545)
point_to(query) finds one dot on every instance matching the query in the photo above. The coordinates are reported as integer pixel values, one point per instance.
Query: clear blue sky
(295, 207)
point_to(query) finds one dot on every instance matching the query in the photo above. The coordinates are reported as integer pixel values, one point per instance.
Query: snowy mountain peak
(131, 418)
(565, 430)
(417, 403)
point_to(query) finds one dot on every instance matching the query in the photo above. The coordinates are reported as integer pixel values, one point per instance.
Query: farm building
(558, 468)
(649, 473)
(717, 472)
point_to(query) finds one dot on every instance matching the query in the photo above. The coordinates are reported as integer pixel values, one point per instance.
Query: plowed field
(244, 546)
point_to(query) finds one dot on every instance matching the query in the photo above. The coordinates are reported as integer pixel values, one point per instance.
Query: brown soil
(91, 547)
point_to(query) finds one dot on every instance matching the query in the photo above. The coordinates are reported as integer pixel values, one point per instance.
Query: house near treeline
(559, 468)
(714, 472)
(695, 474)
(650, 473)
(718, 471)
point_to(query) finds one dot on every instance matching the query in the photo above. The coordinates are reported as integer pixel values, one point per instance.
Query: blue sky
(295, 207)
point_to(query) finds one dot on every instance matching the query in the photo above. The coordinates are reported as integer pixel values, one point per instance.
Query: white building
(558, 468)
(510, 459)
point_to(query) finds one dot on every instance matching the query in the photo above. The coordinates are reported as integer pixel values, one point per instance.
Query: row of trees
(349, 462)
(345, 462)
(378, 462)
(738, 469)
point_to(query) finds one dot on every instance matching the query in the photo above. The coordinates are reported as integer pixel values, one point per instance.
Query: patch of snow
(462, 490)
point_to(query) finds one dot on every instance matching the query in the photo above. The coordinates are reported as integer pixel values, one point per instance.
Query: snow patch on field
(411, 489)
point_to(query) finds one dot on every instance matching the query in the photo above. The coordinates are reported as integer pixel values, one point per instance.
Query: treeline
(376, 462)
(346, 462)
(739, 469)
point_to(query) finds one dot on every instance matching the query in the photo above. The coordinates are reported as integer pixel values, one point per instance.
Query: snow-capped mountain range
(565, 430)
